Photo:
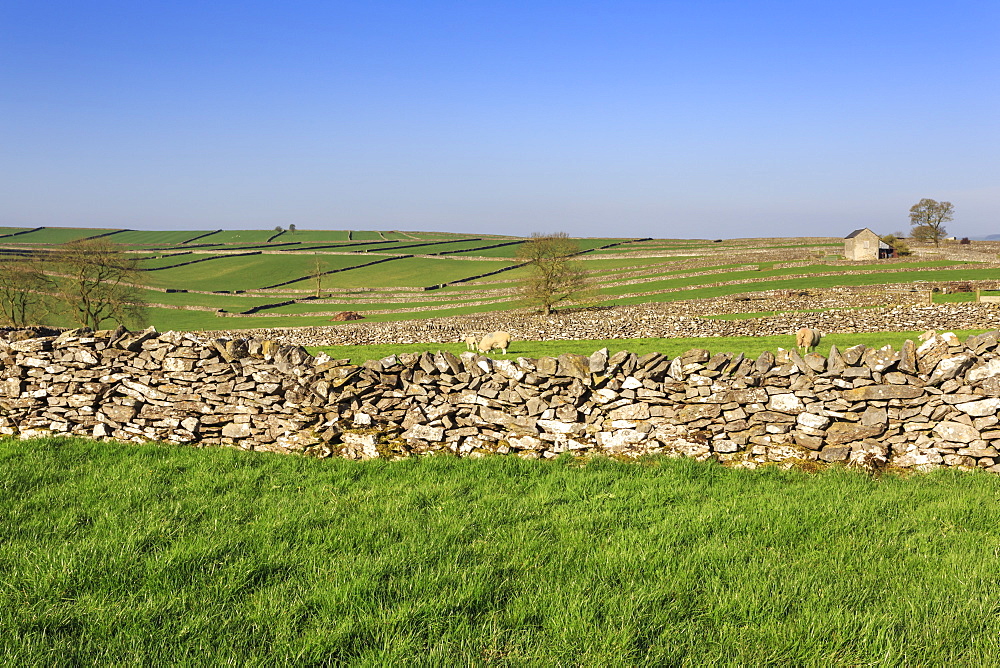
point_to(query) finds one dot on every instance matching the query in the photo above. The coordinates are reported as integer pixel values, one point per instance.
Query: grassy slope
(243, 272)
(238, 236)
(58, 235)
(691, 290)
(150, 555)
(148, 237)
(307, 236)
(411, 272)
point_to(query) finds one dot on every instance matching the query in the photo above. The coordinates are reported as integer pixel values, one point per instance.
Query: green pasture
(58, 235)
(444, 301)
(124, 554)
(228, 302)
(654, 266)
(187, 321)
(955, 297)
(245, 272)
(313, 236)
(4, 231)
(412, 272)
(511, 251)
(839, 276)
(360, 247)
(444, 236)
(691, 290)
(366, 235)
(151, 237)
(239, 237)
(455, 246)
(508, 252)
(171, 258)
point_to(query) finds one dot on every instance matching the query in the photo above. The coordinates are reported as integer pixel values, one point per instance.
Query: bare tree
(318, 269)
(553, 275)
(927, 217)
(291, 228)
(24, 291)
(97, 282)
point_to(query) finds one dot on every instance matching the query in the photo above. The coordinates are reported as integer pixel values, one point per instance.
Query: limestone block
(949, 368)
(981, 408)
(638, 411)
(956, 432)
(786, 403)
(812, 421)
(835, 453)
(694, 412)
(236, 430)
(984, 371)
(425, 433)
(882, 392)
(847, 432)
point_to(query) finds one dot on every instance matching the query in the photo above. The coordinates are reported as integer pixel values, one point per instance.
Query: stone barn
(864, 244)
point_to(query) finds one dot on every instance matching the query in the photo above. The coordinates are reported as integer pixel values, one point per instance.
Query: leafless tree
(553, 276)
(318, 270)
(97, 282)
(25, 291)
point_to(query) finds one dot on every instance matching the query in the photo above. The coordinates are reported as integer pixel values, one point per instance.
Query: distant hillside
(991, 237)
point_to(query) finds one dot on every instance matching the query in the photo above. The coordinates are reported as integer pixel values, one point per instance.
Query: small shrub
(965, 241)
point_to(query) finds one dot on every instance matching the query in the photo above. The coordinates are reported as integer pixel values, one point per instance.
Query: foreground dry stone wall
(920, 407)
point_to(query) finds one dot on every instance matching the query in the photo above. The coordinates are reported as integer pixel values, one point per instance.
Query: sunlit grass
(150, 555)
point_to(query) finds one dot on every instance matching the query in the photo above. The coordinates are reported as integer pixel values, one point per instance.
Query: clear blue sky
(666, 119)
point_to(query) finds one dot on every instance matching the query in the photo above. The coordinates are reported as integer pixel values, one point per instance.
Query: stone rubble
(670, 320)
(916, 408)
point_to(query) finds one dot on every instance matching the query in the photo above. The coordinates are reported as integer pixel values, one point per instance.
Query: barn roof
(857, 232)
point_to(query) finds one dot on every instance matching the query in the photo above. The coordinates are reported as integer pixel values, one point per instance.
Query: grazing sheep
(495, 340)
(807, 338)
(928, 335)
(470, 341)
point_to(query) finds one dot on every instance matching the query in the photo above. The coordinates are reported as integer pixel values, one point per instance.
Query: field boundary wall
(918, 408)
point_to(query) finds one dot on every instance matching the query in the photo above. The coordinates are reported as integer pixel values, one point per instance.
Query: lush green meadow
(151, 555)
(57, 235)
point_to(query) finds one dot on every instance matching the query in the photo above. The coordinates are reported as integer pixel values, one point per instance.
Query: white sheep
(470, 341)
(807, 338)
(495, 340)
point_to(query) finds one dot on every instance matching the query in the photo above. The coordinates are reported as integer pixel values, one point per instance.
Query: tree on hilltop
(553, 276)
(927, 217)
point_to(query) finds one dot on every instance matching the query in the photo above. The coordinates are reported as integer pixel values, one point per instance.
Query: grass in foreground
(114, 554)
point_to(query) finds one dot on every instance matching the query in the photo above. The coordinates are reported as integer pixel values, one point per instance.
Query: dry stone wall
(642, 321)
(920, 407)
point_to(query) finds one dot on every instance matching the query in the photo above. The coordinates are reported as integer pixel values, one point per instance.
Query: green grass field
(58, 235)
(150, 237)
(151, 555)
